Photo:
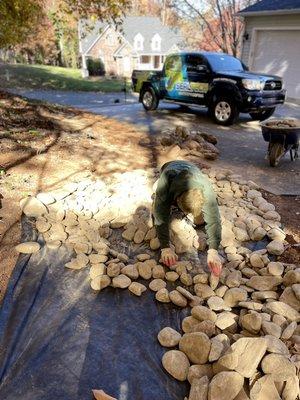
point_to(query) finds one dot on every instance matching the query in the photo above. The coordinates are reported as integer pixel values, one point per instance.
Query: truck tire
(276, 151)
(263, 114)
(224, 111)
(149, 99)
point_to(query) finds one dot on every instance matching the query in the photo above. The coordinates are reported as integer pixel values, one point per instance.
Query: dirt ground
(42, 146)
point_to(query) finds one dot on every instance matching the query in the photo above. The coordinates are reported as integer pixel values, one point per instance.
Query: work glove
(214, 262)
(168, 257)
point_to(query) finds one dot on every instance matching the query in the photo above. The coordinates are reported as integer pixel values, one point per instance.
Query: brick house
(142, 44)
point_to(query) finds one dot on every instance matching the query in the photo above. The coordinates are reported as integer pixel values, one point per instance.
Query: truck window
(173, 64)
(192, 62)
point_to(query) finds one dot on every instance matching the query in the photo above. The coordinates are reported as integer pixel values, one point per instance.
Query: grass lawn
(48, 77)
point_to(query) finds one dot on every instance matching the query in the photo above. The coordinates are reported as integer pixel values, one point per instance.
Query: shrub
(95, 67)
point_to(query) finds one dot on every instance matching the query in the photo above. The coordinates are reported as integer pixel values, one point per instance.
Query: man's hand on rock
(168, 257)
(214, 262)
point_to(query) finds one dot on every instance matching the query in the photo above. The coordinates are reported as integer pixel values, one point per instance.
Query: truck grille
(273, 85)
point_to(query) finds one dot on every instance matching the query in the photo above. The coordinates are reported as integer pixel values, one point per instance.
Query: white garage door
(278, 53)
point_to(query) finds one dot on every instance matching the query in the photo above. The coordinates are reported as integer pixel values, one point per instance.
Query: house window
(138, 42)
(145, 59)
(156, 42)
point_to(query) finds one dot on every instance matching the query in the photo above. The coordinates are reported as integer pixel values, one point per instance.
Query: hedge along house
(142, 43)
(272, 41)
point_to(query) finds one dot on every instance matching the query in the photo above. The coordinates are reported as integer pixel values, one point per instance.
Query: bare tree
(218, 20)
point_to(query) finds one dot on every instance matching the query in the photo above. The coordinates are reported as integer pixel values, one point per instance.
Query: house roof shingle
(147, 26)
(272, 5)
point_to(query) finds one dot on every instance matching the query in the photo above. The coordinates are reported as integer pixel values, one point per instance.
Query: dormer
(156, 42)
(139, 42)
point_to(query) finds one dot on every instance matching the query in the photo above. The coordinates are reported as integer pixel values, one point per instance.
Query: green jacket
(171, 184)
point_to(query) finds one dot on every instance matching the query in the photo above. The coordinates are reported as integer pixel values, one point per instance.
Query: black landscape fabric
(59, 339)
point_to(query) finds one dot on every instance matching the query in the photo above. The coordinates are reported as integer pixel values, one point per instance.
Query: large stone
(256, 260)
(157, 284)
(168, 337)
(288, 297)
(234, 279)
(251, 322)
(28, 247)
(234, 295)
(97, 270)
(225, 386)
(269, 328)
(176, 364)
(291, 277)
(207, 327)
(188, 323)
(197, 371)
(204, 314)
(32, 207)
(131, 271)
(204, 291)
(275, 247)
(264, 295)
(137, 288)
(276, 234)
(113, 269)
(177, 298)
(171, 276)
(291, 389)
(100, 282)
(163, 296)
(217, 304)
(275, 345)
(289, 331)
(275, 268)
(217, 347)
(196, 346)
(249, 352)
(158, 272)
(296, 290)
(144, 269)
(278, 307)
(226, 320)
(264, 389)
(278, 366)
(199, 389)
(121, 281)
(264, 282)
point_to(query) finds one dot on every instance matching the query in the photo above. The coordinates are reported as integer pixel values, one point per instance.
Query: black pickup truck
(218, 81)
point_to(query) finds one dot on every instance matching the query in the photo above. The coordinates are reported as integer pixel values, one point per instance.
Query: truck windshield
(224, 62)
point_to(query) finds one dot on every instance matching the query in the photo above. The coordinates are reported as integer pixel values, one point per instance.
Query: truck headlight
(253, 84)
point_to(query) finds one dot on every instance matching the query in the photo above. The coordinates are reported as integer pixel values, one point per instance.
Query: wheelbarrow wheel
(276, 151)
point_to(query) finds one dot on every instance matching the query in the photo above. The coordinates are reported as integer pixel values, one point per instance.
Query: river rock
(168, 337)
(163, 296)
(275, 247)
(216, 303)
(249, 352)
(158, 272)
(278, 366)
(251, 322)
(131, 271)
(276, 234)
(204, 314)
(256, 260)
(204, 291)
(225, 386)
(97, 270)
(154, 244)
(264, 295)
(199, 389)
(226, 320)
(197, 371)
(28, 247)
(296, 290)
(97, 258)
(264, 282)
(275, 268)
(176, 364)
(143, 257)
(113, 270)
(291, 277)
(100, 282)
(264, 389)
(171, 276)
(234, 279)
(275, 345)
(288, 297)
(291, 389)
(137, 288)
(177, 298)
(216, 349)
(32, 207)
(157, 284)
(269, 328)
(289, 331)
(196, 346)
(188, 323)
(144, 269)
(121, 281)
(234, 295)
(278, 307)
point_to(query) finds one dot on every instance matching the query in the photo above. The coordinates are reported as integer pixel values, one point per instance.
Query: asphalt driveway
(242, 148)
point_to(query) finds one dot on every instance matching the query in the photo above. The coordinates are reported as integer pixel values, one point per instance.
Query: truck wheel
(224, 111)
(276, 151)
(149, 99)
(262, 115)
